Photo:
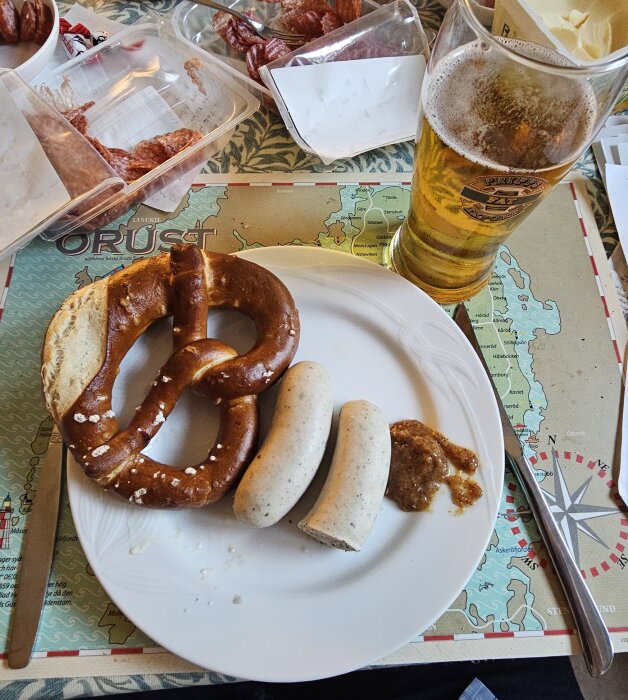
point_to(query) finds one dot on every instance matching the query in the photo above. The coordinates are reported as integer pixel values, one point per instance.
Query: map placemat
(552, 333)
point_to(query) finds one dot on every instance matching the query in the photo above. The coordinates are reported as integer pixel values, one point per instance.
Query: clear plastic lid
(194, 22)
(144, 94)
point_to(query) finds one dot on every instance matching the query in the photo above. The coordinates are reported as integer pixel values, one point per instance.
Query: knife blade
(595, 640)
(37, 553)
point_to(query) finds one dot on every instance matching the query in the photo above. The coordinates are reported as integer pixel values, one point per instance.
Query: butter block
(582, 31)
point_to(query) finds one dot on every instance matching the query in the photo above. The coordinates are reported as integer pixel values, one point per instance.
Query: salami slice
(45, 22)
(28, 22)
(348, 9)
(9, 22)
(254, 60)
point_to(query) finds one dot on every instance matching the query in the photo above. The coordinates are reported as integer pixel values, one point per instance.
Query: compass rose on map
(572, 512)
(588, 510)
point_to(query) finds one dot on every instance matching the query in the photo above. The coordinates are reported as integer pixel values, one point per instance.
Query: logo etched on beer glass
(498, 198)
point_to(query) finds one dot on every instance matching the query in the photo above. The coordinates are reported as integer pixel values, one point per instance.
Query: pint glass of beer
(501, 122)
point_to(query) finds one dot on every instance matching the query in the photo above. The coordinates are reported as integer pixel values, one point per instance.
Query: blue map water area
(528, 315)
(489, 594)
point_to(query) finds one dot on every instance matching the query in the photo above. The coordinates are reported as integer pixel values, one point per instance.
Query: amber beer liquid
(494, 140)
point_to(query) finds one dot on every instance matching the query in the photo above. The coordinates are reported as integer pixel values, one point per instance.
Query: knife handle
(37, 553)
(595, 640)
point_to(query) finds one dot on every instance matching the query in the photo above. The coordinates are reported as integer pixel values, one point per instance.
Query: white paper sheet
(617, 188)
(622, 479)
(31, 190)
(607, 143)
(349, 107)
(617, 120)
(619, 274)
(610, 149)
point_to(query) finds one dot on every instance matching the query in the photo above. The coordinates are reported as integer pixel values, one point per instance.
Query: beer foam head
(506, 115)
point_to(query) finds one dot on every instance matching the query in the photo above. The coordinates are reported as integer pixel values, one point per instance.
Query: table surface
(260, 146)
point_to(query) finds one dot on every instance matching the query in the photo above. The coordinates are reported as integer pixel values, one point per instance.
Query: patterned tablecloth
(372, 191)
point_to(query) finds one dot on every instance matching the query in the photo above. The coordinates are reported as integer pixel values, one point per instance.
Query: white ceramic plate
(272, 604)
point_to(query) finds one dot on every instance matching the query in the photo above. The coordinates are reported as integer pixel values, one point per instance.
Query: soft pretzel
(95, 327)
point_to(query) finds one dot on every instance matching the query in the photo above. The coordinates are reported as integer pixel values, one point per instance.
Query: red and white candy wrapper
(77, 38)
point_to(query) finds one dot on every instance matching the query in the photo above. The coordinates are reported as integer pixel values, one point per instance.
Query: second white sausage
(352, 495)
(293, 449)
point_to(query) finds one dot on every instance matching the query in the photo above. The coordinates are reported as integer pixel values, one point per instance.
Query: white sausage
(344, 513)
(293, 449)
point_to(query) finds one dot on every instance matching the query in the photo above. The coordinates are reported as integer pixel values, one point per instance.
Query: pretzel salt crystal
(95, 327)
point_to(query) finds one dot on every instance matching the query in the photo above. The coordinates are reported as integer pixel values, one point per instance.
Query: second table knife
(596, 643)
(37, 553)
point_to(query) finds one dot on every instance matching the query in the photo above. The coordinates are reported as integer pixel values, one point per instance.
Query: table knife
(595, 640)
(37, 553)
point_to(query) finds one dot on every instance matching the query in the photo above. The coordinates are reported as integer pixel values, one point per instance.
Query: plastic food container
(194, 23)
(35, 137)
(356, 88)
(145, 82)
(28, 58)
